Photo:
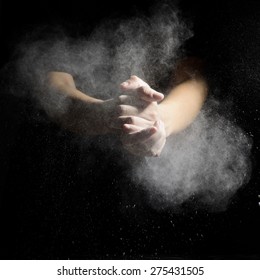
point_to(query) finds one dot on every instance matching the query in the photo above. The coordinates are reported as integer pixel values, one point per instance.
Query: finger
(133, 83)
(135, 121)
(120, 121)
(127, 110)
(142, 149)
(161, 148)
(139, 136)
(126, 99)
(157, 141)
(130, 128)
(159, 124)
(133, 100)
(152, 146)
(148, 94)
(145, 93)
(121, 115)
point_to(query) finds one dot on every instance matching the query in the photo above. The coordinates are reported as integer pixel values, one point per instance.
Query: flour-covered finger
(126, 110)
(135, 120)
(132, 84)
(150, 95)
(140, 136)
(130, 128)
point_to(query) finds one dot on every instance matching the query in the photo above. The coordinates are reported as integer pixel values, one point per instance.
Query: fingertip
(158, 96)
(124, 85)
(152, 130)
(126, 127)
(161, 96)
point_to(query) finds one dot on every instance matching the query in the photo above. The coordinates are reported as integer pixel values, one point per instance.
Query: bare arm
(83, 114)
(187, 96)
(182, 105)
(145, 121)
(176, 112)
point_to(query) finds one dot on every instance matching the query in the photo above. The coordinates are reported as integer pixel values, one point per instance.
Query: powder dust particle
(210, 159)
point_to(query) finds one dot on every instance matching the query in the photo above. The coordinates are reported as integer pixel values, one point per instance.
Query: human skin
(140, 116)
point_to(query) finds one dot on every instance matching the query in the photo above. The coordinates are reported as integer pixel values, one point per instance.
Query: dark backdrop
(45, 218)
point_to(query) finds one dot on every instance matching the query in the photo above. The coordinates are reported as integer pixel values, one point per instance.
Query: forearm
(182, 105)
(83, 114)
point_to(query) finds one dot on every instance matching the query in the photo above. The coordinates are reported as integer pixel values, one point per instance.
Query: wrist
(163, 117)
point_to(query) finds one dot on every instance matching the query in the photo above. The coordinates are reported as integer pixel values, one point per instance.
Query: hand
(144, 142)
(145, 92)
(143, 132)
(138, 106)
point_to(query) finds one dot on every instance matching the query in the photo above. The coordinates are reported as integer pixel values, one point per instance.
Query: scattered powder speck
(209, 160)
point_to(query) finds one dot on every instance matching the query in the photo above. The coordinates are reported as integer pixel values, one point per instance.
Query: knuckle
(145, 89)
(142, 89)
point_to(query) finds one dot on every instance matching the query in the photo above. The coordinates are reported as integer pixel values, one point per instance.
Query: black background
(42, 218)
